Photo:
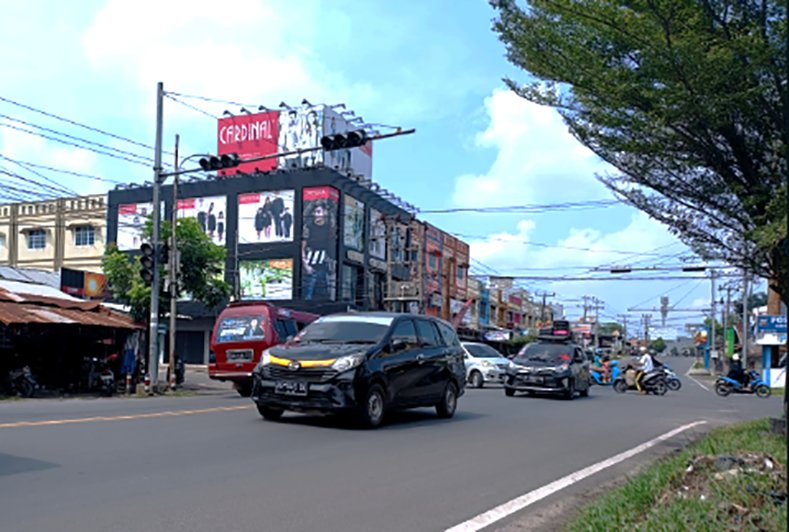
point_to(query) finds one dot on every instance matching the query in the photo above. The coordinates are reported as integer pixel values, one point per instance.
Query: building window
(84, 236)
(461, 273)
(36, 239)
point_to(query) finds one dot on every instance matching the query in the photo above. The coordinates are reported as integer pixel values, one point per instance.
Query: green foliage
(514, 345)
(658, 345)
(202, 264)
(684, 98)
(718, 327)
(609, 328)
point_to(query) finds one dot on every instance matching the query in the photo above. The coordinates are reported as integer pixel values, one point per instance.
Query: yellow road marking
(116, 418)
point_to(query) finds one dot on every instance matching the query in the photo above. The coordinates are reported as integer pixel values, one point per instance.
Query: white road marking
(687, 374)
(508, 508)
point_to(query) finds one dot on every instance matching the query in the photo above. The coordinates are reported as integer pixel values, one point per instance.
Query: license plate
(291, 388)
(244, 355)
(536, 380)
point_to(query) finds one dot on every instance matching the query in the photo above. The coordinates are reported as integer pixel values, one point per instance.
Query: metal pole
(174, 271)
(713, 351)
(744, 319)
(153, 354)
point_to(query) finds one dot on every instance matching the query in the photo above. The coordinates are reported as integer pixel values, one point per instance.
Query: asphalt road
(211, 463)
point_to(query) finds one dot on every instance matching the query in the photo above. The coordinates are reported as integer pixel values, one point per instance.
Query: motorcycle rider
(736, 372)
(644, 366)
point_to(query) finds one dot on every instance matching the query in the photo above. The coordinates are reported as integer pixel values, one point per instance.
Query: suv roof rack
(560, 331)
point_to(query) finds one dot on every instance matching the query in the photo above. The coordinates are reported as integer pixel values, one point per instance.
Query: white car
(484, 365)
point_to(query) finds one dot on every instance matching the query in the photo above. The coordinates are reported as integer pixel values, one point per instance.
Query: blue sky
(435, 66)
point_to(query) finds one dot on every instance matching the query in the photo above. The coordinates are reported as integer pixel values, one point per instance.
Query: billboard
(265, 217)
(377, 236)
(249, 136)
(320, 209)
(211, 214)
(300, 129)
(131, 220)
(353, 224)
(266, 279)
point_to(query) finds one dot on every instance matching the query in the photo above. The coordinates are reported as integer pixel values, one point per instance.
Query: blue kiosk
(770, 334)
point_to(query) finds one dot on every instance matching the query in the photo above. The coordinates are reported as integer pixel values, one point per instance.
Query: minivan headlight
(265, 359)
(347, 362)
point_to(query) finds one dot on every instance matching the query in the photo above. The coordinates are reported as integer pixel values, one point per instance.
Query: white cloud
(538, 160)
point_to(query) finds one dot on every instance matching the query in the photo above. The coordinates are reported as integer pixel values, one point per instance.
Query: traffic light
(339, 141)
(228, 160)
(164, 254)
(146, 263)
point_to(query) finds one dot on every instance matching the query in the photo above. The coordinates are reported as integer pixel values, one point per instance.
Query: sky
(435, 66)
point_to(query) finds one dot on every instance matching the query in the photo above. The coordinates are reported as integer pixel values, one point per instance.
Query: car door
(581, 370)
(399, 362)
(432, 364)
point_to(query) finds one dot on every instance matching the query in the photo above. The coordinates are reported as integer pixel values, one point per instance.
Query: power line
(525, 209)
(541, 244)
(74, 123)
(45, 178)
(59, 170)
(206, 99)
(190, 106)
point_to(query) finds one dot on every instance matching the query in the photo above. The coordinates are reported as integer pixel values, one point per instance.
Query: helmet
(735, 356)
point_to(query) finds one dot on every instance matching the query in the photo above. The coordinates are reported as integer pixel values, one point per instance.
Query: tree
(202, 264)
(684, 98)
(658, 345)
(609, 328)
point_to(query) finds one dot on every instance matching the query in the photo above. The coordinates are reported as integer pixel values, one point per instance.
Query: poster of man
(300, 129)
(265, 217)
(353, 234)
(211, 214)
(377, 235)
(131, 221)
(319, 243)
(266, 279)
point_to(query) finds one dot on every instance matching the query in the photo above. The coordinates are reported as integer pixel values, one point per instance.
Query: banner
(377, 235)
(211, 214)
(265, 217)
(353, 234)
(131, 220)
(249, 136)
(266, 279)
(300, 129)
(729, 342)
(320, 209)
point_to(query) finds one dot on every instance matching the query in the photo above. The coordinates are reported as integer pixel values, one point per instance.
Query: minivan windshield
(482, 351)
(548, 354)
(345, 330)
(240, 329)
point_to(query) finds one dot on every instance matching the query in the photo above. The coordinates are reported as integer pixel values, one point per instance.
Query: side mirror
(398, 345)
(289, 339)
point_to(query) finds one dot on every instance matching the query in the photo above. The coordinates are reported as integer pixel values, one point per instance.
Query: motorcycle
(725, 386)
(672, 379)
(652, 382)
(597, 377)
(180, 371)
(99, 376)
(21, 382)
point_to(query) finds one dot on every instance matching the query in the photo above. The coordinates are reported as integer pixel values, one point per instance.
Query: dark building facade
(305, 239)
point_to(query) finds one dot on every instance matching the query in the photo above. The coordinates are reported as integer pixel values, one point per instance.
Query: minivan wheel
(449, 401)
(509, 392)
(374, 407)
(272, 414)
(476, 379)
(244, 389)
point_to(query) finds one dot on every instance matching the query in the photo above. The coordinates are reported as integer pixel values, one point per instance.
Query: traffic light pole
(153, 353)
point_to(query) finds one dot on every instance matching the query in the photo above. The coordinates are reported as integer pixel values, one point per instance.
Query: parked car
(553, 363)
(484, 365)
(243, 331)
(363, 364)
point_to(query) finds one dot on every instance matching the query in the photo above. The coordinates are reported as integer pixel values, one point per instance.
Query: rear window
(482, 351)
(240, 329)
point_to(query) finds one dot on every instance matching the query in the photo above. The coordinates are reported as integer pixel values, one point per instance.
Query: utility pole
(713, 350)
(445, 310)
(153, 354)
(647, 318)
(542, 311)
(624, 331)
(744, 319)
(174, 271)
(726, 311)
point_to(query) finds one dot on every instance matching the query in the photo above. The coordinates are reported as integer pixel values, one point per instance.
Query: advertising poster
(353, 232)
(249, 136)
(377, 235)
(211, 214)
(131, 220)
(320, 209)
(265, 217)
(300, 129)
(266, 279)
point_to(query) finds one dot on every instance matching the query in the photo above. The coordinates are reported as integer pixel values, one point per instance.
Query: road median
(733, 478)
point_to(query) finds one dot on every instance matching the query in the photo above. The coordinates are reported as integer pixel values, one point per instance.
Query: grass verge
(670, 495)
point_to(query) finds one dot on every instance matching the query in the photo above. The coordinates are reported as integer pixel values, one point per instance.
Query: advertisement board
(249, 136)
(211, 214)
(377, 236)
(131, 220)
(320, 210)
(266, 279)
(771, 330)
(353, 226)
(265, 217)
(300, 129)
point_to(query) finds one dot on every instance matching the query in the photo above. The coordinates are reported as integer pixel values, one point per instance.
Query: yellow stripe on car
(304, 363)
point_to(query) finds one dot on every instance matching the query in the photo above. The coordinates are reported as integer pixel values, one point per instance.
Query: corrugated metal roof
(13, 273)
(22, 313)
(22, 289)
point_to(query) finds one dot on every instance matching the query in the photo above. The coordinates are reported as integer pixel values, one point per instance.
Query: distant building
(53, 234)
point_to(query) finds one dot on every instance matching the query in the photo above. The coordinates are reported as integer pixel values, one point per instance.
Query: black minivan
(364, 364)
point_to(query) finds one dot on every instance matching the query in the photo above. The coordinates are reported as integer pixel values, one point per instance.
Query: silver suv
(484, 365)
